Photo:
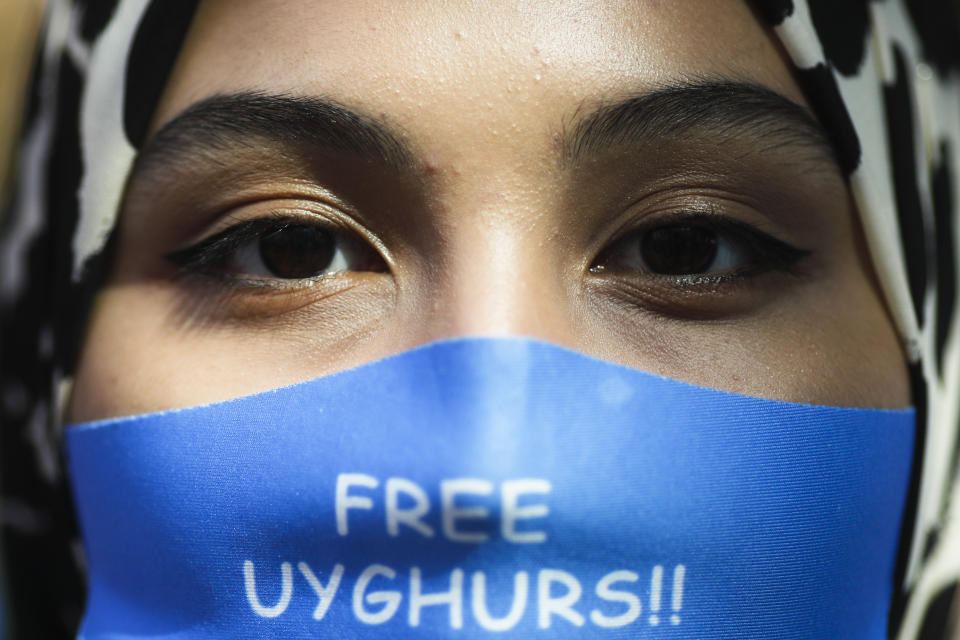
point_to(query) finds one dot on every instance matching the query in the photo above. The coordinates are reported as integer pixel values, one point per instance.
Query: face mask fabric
(492, 487)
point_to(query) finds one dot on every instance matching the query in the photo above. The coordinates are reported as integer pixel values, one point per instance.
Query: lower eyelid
(707, 298)
(251, 303)
(267, 283)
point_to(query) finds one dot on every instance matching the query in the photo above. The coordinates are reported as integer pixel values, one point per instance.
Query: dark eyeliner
(767, 252)
(213, 251)
(770, 253)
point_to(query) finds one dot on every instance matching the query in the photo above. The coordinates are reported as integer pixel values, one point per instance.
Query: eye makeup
(696, 247)
(277, 248)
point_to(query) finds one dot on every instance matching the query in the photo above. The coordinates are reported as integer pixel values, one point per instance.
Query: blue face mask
(492, 488)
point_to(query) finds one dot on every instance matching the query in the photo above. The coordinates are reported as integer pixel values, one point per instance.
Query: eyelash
(767, 252)
(210, 256)
(208, 253)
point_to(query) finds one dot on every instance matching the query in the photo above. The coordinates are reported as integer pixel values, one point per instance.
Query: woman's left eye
(699, 248)
(278, 249)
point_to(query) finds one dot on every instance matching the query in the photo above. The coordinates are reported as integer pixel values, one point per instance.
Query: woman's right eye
(278, 249)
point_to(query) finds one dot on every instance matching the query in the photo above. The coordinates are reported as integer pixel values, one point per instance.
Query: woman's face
(628, 179)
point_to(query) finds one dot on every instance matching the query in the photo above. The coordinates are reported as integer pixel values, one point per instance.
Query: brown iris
(679, 249)
(297, 251)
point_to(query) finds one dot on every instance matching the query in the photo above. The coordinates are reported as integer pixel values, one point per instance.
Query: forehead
(435, 67)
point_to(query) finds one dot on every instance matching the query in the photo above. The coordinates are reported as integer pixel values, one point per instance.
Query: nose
(496, 274)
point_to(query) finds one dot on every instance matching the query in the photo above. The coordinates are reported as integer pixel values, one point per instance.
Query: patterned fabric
(883, 77)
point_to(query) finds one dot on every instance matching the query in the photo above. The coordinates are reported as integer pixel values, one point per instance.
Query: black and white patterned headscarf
(883, 77)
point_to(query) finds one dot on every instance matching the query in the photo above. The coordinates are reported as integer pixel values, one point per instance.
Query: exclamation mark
(656, 586)
(678, 574)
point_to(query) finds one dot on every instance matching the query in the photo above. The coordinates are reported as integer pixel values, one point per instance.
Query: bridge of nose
(501, 266)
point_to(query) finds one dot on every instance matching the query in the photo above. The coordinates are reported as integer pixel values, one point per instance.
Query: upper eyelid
(280, 216)
(314, 204)
(710, 219)
(236, 235)
(783, 255)
(665, 203)
(345, 224)
(311, 212)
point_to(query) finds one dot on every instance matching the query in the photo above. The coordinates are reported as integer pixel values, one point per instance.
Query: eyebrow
(224, 122)
(721, 109)
(711, 108)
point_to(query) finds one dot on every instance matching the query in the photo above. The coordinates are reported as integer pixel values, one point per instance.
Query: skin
(488, 231)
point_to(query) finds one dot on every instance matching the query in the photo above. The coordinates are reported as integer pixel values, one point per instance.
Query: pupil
(679, 249)
(297, 251)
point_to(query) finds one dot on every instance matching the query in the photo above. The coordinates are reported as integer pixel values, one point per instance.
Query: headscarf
(882, 76)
